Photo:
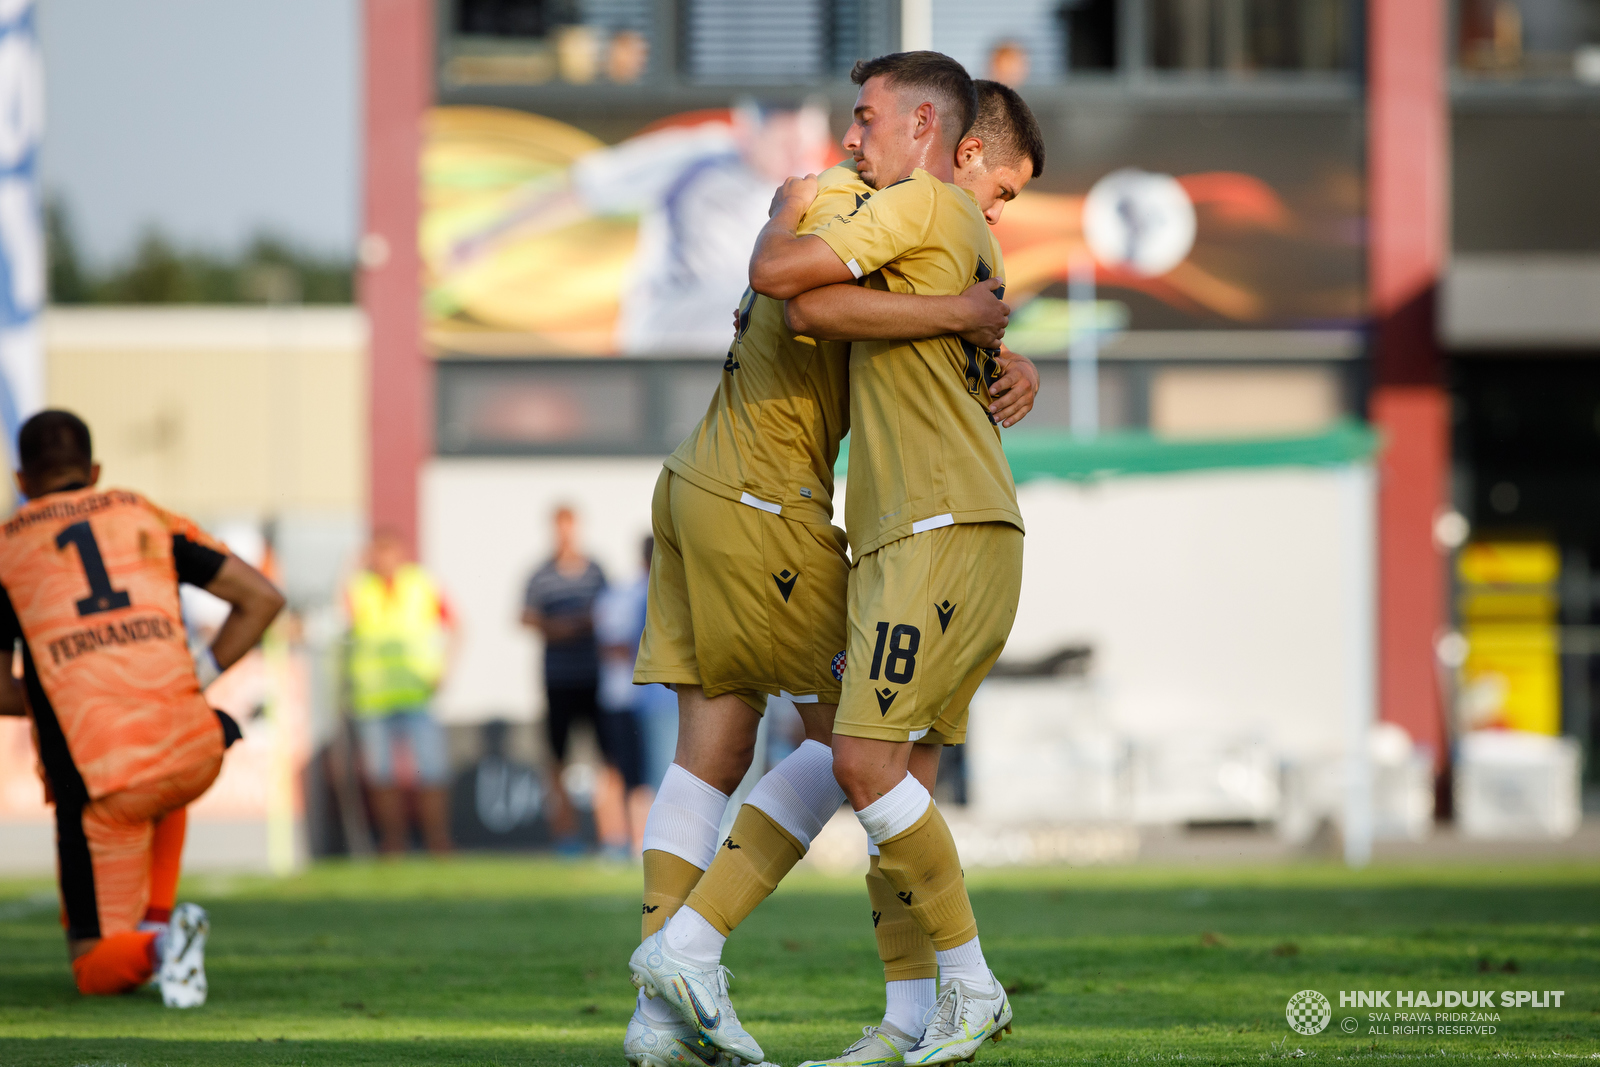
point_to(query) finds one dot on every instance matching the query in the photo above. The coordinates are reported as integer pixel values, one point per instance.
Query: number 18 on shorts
(929, 615)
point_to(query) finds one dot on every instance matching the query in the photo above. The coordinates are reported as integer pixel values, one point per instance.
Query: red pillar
(1408, 190)
(398, 91)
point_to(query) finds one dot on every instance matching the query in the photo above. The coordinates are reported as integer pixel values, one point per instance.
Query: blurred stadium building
(1328, 487)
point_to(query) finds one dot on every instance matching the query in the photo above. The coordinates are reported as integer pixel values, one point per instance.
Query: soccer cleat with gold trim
(959, 1022)
(879, 1046)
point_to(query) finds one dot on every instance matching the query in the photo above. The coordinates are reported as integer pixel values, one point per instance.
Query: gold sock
(668, 880)
(903, 946)
(922, 865)
(749, 865)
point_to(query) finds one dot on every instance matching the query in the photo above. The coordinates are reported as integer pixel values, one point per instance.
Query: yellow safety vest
(396, 641)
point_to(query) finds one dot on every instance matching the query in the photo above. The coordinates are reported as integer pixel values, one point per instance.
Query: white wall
(1219, 600)
(486, 527)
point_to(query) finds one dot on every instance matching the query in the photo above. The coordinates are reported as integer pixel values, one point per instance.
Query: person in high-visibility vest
(402, 634)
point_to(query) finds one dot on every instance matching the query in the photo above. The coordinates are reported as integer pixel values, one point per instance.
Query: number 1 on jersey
(101, 596)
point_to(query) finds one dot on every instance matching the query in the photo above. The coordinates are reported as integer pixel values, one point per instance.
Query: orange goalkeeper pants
(118, 862)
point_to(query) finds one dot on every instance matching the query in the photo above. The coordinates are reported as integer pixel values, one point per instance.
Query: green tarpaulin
(1060, 455)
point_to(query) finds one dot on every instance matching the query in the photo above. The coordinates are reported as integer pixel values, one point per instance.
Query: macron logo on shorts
(786, 583)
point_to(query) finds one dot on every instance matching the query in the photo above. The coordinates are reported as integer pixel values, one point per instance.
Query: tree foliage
(269, 270)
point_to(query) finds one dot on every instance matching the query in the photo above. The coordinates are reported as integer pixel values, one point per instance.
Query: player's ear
(924, 115)
(94, 474)
(969, 151)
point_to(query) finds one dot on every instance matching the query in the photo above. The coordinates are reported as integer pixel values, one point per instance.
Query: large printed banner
(22, 255)
(539, 239)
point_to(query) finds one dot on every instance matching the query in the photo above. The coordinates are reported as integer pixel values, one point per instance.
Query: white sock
(964, 964)
(894, 813)
(684, 818)
(800, 794)
(908, 1003)
(657, 1010)
(689, 935)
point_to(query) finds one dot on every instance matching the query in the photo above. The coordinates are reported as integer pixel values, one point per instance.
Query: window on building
(514, 42)
(514, 18)
(756, 41)
(1090, 30)
(1242, 36)
(1558, 39)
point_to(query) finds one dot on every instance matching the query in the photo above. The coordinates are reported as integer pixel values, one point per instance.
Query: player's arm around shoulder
(894, 221)
(860, 313)
(784, 262)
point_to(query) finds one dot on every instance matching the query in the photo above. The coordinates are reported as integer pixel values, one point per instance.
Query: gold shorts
(741, 600)
(929, 615)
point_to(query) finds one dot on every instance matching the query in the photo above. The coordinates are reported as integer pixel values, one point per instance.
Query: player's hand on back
(796, 192)
(1014, 391)
(983, 315)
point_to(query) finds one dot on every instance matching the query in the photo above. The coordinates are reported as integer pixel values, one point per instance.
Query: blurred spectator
(1490, 34)
(619, 625)
(578, 54)
(1008, 64)
(402, 638)
(559, 603)
(627, 57)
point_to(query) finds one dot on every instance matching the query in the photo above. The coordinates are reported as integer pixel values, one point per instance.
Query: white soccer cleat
(675, 1044)
(880, 1046)
(959, 1022)
(698, 995)
(183, 962)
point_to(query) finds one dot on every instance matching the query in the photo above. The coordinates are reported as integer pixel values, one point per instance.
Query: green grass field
(515, 961)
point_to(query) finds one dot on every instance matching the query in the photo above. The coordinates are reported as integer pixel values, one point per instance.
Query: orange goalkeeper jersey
(89, 583)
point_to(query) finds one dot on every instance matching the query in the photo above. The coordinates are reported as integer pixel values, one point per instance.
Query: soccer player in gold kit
(792, 802)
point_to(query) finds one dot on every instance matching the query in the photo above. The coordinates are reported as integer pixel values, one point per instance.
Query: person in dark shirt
(559, 604)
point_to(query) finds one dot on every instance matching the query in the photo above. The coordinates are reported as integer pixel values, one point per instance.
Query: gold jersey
(771, 435)
(925, 452)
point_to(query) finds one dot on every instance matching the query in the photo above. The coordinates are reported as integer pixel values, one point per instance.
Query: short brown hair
(946, 82)
(1006, 126)
(52, 442)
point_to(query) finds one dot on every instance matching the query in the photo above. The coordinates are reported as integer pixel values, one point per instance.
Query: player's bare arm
(255, 601)
(785, 263)
(856, 313)
(1014, 391)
